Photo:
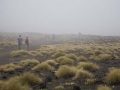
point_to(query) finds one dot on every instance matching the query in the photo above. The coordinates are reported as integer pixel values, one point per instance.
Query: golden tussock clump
(29, 62)
(20, 53)
(66, 72)
(71, 56)
(87, 66)
(43, 66)
(113, 76)
(51, 62)
(101, 87)
(83, 74)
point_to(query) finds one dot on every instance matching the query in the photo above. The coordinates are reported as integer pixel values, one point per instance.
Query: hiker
(19, 42)
(27, 43)
(53, 36)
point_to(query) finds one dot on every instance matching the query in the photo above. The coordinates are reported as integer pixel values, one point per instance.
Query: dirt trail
(5, 55)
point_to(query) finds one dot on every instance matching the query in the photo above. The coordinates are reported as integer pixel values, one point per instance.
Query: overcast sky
(99, 17)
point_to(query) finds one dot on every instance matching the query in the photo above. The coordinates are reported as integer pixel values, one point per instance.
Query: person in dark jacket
(27, 43)
(19, 42)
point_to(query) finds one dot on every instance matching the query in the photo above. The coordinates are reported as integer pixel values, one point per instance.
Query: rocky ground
(50, 80)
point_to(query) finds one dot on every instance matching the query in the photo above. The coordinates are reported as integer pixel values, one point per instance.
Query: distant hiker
(27, 43)
(53, 36)
(19, 42)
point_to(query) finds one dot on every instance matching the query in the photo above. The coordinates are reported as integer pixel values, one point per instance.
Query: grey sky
(101, 17)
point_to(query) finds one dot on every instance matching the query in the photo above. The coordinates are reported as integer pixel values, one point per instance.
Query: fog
(98, 17)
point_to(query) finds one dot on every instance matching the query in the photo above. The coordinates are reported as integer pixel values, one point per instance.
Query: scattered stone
(99, 81)
(11, 72)
(42, 85)
(48, 79)
(57, 66)
(4, 77)
(15, 63)
(111, 68)
(53, 72)
(76, 88)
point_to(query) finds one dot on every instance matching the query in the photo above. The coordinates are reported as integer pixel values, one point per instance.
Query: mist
(96, 17)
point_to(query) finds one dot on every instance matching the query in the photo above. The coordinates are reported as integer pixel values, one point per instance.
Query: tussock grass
(66, 72)
(101, 87)
(90, 81)
(82, 58)
(14, 84)
(30, 79)
(60, 87)
(20, 53)
(58, 54)
(1, 84)
(113, 76)
(38, 54)
(29, 62)
(103, 57)
(1, 49)
(9, 67)
(59, 59)
(6, 45)
(90, 53)
(87, 66)
(83, 74)
(43, 66)
(71, 56)
(20, 82)
(92, 57)
(97, 52)
(51, 62)
(45, 52)
(66, 61)
(116, 57)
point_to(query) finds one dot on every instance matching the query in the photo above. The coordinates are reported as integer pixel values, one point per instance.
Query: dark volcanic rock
(4, 77)
(76, 88)
(99, 81)
(48, 79)
(42, 85)
(11, 72)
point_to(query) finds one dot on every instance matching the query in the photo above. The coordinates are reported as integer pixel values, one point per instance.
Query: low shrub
(38, 54)
(6, 46)
(59, 59)
(71, 56)
(43, 66)
(60, 87)
(29, 62)
(1, 84)
(1, 49)
(87, 66)
(101, 87)
(30, 79)
(13, 84)
(103, 57)
(20, 53)
(58, 54)
(20, 82)
(82, 58)
(92, 57)
(113, 77)
(83, 74)
(97, 52)
(9, 67)
(51, 62)
(66, 61)
(66, 72)
(90, 81)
